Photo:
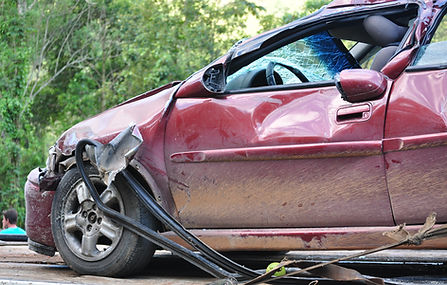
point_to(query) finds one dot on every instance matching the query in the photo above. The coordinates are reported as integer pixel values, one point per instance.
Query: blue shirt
(13, 231)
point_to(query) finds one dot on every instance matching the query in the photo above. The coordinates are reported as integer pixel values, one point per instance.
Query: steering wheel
(270, 72)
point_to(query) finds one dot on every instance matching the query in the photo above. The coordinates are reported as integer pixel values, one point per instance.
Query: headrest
(383, 31)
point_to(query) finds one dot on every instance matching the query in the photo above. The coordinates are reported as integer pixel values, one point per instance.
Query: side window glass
(434, 52)
(318, 57)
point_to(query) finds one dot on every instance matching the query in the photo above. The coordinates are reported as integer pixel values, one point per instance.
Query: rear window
(434, 53)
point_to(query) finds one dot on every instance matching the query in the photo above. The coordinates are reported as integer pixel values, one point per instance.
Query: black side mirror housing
(214, 78)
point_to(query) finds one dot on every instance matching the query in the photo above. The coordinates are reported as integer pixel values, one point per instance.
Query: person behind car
(10, 223)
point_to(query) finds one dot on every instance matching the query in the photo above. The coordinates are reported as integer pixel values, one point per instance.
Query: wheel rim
(88, 233)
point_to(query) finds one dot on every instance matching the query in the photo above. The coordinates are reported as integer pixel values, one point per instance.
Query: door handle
(354, 113)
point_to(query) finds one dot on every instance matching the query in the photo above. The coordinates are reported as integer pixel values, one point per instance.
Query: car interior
(368, 42)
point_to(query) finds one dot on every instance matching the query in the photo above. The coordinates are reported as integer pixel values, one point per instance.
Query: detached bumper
(38, 212)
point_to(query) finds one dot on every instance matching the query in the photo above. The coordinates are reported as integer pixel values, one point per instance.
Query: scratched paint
(38, 205)
(246, 154)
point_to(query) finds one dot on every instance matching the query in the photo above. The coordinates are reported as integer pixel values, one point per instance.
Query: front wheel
(89, 241)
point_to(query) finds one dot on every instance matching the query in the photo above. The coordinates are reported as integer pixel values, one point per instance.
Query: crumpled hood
(144, 110)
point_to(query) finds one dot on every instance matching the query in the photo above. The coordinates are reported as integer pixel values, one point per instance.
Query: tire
(90, 242)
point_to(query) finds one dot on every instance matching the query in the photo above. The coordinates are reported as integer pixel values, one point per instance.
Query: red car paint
(38, 205)
(288, 168)
(360, 86)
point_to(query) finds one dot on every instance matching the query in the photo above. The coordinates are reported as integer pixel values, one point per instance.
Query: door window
(433, 53)
(318, 57)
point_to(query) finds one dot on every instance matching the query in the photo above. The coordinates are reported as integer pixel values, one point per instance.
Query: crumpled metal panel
(115, 156)
(335, 8)
(145, 113)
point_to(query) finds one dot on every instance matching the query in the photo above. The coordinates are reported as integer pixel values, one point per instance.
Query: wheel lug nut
(89, 227)
(84, 214)
(99, 221)
(92, 217)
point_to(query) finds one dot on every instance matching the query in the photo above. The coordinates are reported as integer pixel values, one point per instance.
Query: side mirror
(359, 85)
(204, 84)
(214, 78)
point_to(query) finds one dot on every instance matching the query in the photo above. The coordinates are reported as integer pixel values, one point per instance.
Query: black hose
(141, 229)
(212, 262)
(177, 228)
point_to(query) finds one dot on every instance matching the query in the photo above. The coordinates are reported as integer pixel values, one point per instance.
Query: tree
(14, 56)
(63, 61)
(269, 21)
(188, 35)
(37, 46)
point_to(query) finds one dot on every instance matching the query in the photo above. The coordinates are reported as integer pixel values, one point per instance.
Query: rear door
(416, 133)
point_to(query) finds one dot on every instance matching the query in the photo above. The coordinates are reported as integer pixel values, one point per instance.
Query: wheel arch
(146, 179)
(136, 168)
(141, 174)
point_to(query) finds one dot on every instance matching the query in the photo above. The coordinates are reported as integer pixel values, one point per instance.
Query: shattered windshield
(319, 57)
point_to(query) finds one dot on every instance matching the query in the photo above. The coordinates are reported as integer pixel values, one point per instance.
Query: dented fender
(148, 112)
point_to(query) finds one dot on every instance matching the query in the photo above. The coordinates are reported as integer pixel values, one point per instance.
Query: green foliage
(63, 61)
(270, 21)
(189, 35)
(14, 55)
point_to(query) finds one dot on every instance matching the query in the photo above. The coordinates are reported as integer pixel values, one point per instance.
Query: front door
(283, 153)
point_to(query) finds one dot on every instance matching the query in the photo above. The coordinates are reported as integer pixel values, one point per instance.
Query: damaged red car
(321, 134)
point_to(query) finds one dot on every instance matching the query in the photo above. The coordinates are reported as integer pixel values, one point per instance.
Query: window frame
(299, 32)
(425, 41)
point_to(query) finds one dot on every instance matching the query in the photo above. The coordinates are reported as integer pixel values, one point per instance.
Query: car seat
(384, 33)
